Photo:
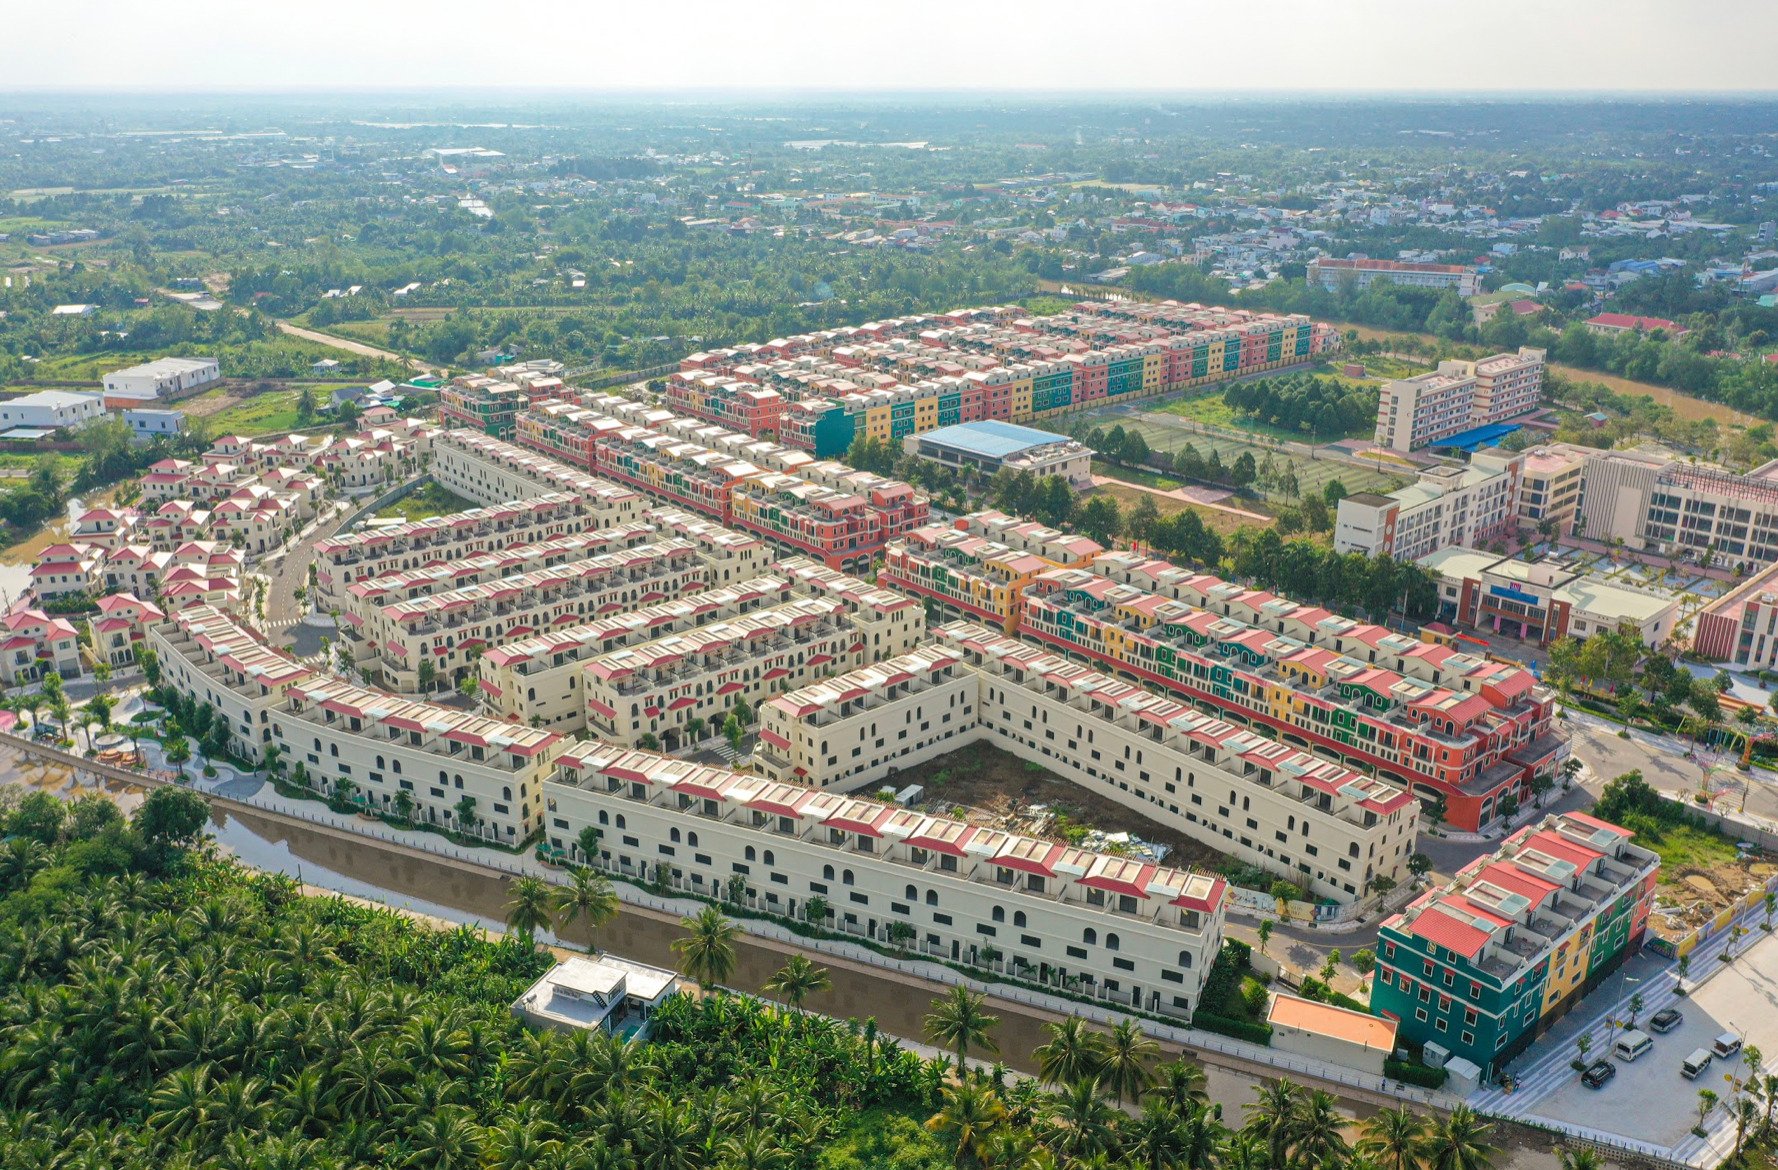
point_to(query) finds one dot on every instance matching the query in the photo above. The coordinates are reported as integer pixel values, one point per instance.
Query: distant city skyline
(1506, 47)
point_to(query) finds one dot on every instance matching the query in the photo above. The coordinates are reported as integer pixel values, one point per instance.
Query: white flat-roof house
(49, 409)
(597, 992)
(160, 378)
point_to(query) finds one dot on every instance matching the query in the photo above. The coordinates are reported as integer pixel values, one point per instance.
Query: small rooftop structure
(1337, 1034)
(600, 992)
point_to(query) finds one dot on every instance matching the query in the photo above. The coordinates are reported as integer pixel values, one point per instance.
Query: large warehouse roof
(991, 439)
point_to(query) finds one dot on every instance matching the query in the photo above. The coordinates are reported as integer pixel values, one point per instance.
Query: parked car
(1665, 1020)
(1598, 1073)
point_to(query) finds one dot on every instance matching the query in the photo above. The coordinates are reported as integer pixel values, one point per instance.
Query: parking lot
(1649, 1102)
(1650, 1094)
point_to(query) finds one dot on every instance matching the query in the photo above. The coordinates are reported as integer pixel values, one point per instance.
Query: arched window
(604, 819)
(1185, 958)
(913, 894)
(749, 853)
(1111, 942)
(1018, 918)
(1089, 936)
(380, 763)
(845, 877)
(932, 897)
(673, 836)
(999, 914)
(827, 872)
(620, 820)
(692, 839)
(770, 859)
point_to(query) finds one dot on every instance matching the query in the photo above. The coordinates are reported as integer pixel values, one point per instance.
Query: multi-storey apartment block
(493, 566)
(395, 752)
(892, 382)
(1459, 396)
(481, 403)
(655, 689)
(1453, 727)
(980, 568)
(1330, 273)
(536, 680)
(446, 631)
(1452, 505)
(341, 560)
(1485, 964)
(482, 468)
(1334, 831)
(1122, 930)
(1549, 489)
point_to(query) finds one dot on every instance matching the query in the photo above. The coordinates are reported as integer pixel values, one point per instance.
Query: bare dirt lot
(993, 787)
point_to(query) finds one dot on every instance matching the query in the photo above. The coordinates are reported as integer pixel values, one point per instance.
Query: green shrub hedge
(1415, 1074)
(1250, 1030)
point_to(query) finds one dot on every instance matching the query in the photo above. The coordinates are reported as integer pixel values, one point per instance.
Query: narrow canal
(363, 868)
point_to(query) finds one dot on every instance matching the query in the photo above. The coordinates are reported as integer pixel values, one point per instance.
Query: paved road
(357, 347)
(292, 570)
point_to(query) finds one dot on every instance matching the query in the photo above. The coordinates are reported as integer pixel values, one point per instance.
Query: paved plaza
(1649, 1106)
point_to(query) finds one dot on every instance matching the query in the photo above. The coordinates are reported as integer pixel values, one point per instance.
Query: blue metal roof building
(991, 445)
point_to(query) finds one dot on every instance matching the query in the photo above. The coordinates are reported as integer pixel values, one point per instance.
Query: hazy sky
(1506, 45)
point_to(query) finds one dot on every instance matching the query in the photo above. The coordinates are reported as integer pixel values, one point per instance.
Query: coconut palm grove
(168, 1009)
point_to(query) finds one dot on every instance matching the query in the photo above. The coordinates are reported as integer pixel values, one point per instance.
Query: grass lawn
(1213, 410)
(1218, 521)
(1689, 848)
(1143, 476)
(263, 414)
(372, 332)
(424, 502)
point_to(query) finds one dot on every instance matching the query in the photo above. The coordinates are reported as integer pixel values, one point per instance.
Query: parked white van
(1695, 1064)
(1631, 1044)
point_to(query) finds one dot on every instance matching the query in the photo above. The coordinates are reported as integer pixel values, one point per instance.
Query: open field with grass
(271, 411)
(1162, 433)
(371, 332)
(1684, 848)
(1213, 518)
(1213, 410)
(424, 502)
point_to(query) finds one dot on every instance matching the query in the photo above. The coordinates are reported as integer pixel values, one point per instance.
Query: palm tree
(1128, 1053)
(1073, 1053)
(528, 912)
(1271, 1117)
(1181, 1084)
(1579, 1158)
(970, 1117)
(1393, 1139)
(588, 899)
(707, 953)
(796, 980)
(959, 1022)
(1459, 1142)
(1085, 1120)
(1319, 1140)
